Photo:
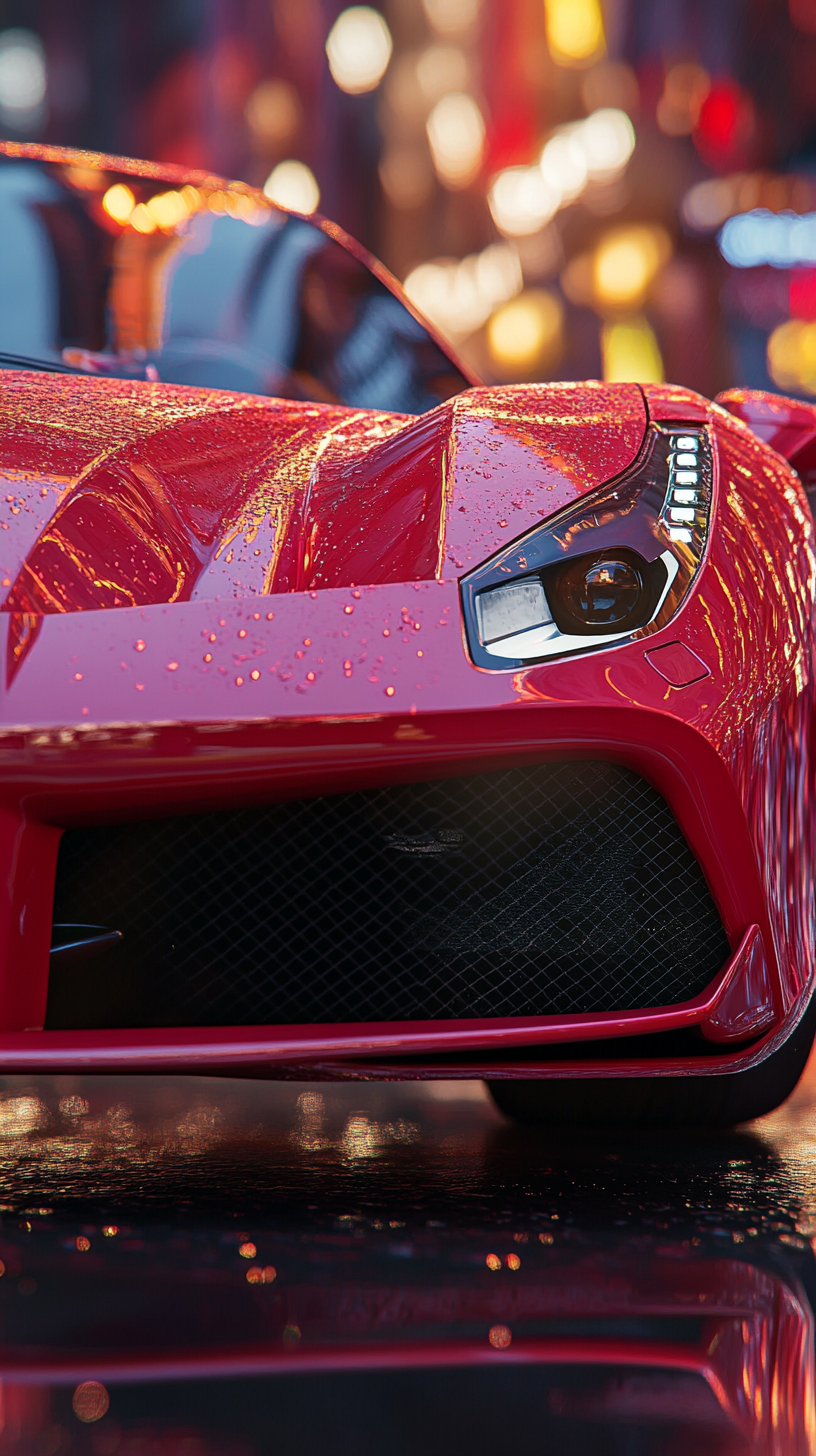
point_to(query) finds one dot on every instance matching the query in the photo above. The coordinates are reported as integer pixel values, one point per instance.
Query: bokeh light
(90, 1401)
(168, 209)
(521, 200)
(119, 202)
(292, 185)
(630, 352)
(23, 78)
(359, 48)
(575, 31)
(563, 164)
(500, 1337)
(456, 133)
(607, 140)
(780, 240)
(524, 336)
(458, 296)
(626, 262)
(142, 219)
(792, 356)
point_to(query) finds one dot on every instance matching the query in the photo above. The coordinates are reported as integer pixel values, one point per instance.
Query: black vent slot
(547, 889)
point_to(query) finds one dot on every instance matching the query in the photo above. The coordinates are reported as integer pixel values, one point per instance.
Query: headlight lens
(613, 565)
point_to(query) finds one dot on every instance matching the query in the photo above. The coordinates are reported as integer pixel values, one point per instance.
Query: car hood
(122, 493)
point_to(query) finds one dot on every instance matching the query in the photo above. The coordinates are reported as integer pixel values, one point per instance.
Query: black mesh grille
(546, 889)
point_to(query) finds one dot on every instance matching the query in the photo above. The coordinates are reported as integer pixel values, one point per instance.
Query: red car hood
(126, 493)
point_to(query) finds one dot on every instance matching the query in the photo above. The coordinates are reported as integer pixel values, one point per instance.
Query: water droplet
(239, 682)
(420, 653)
(348, 610)
(310, 677)
(140, 645)
(140, 687)
(77, 677)
(208, 657)
(242, 632)
(172, 667)
(356, 595)
(389, 692)
(270, 616)
(307, 642)
(254, 674)
(386, 632)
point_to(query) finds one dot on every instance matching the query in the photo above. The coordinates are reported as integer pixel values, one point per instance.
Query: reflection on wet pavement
(225, 1268)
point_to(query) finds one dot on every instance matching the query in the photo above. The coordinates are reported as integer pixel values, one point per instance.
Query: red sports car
(360, 720)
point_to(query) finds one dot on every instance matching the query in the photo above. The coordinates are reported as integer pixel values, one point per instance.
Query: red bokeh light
(726, 125)
(803, 294)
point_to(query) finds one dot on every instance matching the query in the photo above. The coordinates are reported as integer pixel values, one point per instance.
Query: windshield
(110, 273)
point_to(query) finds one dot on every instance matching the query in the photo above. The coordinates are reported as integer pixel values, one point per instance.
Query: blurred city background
(622, 189)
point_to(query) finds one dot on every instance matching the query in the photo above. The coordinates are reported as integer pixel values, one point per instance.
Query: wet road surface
(226, 1268)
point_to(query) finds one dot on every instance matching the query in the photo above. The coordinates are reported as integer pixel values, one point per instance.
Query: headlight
(616, 564)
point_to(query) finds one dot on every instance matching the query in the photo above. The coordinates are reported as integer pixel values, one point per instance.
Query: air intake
(554, 888)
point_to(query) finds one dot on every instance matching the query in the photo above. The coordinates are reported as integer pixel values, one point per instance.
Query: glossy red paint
(111, 710)
(214, 599)
(745, 1006)
(787, 425)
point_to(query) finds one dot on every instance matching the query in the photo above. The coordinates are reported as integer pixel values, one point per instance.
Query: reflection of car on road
(358, 721)
(648, 1351)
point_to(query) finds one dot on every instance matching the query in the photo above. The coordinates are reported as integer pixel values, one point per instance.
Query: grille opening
(546, 889)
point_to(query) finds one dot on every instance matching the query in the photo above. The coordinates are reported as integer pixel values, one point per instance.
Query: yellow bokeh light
(119, 202)
(625, 263)
(141, 220)
(630, 352)
(168, 209)
(493, 1262)
(792, 356)
(526, 333)
(575, 31)
(193, 200)
(359, 48)
(456, 133)
(293, 185)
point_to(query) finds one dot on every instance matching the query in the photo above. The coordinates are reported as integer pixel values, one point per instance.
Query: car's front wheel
(710, 1101)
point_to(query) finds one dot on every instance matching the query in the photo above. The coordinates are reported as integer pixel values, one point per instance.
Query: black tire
(714, 1101)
